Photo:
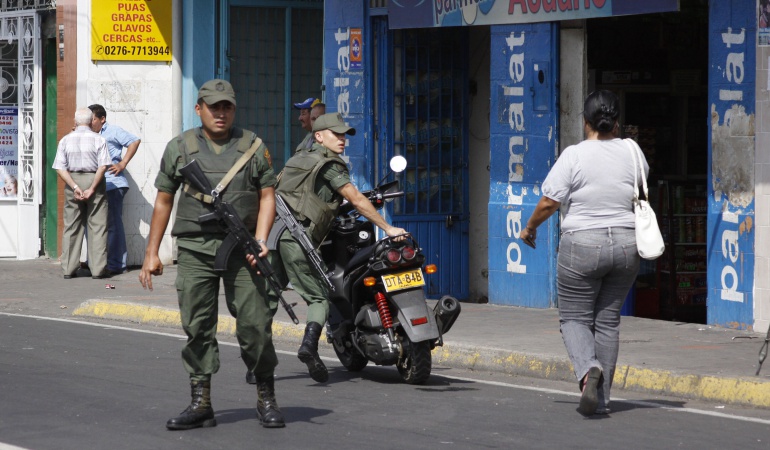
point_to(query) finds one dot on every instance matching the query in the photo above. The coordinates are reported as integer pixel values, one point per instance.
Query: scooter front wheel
(350, 358)
(415, 366)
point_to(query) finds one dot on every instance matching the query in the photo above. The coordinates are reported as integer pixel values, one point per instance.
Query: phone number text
(132, 50)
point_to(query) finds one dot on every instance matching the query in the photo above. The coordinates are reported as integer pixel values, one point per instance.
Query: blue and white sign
(523, 133)
(450, 13)
(731, 216)
(345, 80)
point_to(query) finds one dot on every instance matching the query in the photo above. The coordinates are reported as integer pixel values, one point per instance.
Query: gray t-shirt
(594, 182)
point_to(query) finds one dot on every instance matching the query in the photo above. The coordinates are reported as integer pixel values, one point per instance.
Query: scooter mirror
(398, 164)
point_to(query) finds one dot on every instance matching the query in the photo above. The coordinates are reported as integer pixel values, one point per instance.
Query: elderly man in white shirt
(81, 160)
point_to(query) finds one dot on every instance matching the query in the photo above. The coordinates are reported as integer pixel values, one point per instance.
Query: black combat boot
(199, 413)
(268, 413)
(308, 353)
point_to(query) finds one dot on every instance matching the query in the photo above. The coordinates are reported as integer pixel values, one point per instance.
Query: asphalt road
(74, 385)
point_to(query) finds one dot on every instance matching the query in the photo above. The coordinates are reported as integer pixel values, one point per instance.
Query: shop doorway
(421, 105)
(657, 64)
(20, 135)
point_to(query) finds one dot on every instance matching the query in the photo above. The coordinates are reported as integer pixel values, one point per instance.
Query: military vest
(297, 188)
(240, 192)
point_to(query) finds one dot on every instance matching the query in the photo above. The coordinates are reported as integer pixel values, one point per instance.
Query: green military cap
(334, 122)
(214, 91)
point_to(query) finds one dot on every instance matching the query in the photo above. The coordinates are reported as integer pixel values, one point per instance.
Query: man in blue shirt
(117, 185)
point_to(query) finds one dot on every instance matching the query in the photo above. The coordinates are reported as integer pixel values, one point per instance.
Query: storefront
(480, 97)
(21, 117)
(684, 72)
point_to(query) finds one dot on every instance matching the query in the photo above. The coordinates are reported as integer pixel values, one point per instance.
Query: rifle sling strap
(208, 198)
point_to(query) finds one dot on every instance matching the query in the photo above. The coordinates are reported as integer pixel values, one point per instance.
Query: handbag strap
(636, 155)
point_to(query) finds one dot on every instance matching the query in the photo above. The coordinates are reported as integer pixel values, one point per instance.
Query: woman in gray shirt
(598, 260)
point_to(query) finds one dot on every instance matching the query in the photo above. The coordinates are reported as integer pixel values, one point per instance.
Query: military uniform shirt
(330, 178)
(169, 180)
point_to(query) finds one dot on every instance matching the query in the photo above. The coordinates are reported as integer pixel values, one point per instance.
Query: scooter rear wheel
(416, 365)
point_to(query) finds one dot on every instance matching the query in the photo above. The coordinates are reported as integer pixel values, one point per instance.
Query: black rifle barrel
(298, 233)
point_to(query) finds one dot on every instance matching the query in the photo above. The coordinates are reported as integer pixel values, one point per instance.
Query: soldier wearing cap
(313, 184)
(306, 109)
(217, 146)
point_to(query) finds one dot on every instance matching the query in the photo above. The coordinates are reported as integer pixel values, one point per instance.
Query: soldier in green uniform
(217, 147)
(313, 184)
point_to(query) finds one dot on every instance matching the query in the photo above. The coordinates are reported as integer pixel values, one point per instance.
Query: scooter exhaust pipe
(446, 310)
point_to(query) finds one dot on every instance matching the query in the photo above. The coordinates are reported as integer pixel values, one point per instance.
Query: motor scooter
(378, 310)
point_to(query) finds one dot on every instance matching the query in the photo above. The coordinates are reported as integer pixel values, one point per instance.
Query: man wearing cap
(313, 184)
(318, 110)
(218, 147)
(305, 108)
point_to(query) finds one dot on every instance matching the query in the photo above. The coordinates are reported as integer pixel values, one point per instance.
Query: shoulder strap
(207, 198)
(633, 147)
(239, 164)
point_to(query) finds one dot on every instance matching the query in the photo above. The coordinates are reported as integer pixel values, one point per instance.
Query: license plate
(404, 280)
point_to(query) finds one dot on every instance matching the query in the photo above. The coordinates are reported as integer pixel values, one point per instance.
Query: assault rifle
(237, 233)
(298, 233)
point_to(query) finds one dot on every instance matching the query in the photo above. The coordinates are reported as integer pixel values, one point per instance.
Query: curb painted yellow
(737, 391)
(726, 390)
(742, 391)
(129, 311)
(153, 315)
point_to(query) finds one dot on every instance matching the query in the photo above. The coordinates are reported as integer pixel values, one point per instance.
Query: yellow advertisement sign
(131, 30)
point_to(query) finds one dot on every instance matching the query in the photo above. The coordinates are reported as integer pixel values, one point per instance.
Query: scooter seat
(360, 257)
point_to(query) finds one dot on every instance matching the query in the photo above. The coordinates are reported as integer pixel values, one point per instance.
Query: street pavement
(657, 357)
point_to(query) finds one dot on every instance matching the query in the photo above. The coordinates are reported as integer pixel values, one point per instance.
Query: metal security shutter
(275, 59)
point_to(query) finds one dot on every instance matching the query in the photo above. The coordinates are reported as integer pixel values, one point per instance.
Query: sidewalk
(656, 357)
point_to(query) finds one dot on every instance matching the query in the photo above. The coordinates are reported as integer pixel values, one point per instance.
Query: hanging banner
(131, 30)
(452, 13)
(9, 153)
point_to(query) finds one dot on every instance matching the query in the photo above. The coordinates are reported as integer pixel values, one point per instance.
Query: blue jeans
(596, 269)
(117, 251)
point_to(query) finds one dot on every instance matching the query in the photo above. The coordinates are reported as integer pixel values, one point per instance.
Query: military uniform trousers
(197, 286)
(78, 215)
(291, 265)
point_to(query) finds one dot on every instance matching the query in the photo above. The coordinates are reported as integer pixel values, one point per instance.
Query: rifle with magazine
(298, 233)
(237, 233)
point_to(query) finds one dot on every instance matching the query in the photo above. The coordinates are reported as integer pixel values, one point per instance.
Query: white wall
(478, 165)
(762, 193)
(573, 81)
(142, 98)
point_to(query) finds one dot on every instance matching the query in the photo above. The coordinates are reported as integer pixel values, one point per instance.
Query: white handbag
(649, 241)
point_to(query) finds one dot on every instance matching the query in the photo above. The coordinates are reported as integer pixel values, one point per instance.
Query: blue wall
(345, 86)
(199, 42)
(523, 144)
(731, 97)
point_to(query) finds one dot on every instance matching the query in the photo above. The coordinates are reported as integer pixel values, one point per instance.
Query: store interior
(657, 64)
